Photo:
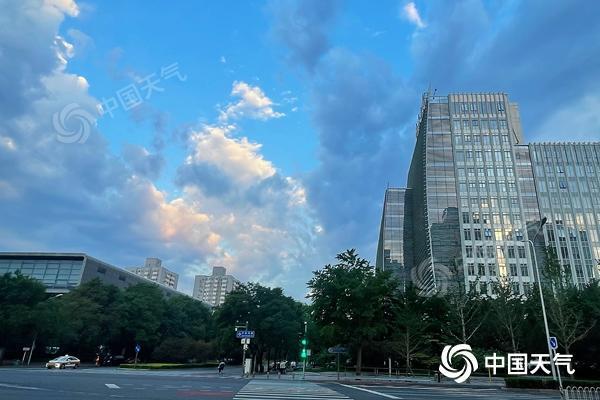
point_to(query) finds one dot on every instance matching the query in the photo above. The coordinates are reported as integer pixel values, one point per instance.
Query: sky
(255, 135)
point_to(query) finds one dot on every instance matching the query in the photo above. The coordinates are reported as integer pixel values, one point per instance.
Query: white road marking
(7, 385)
(389, 396)
(112, 386)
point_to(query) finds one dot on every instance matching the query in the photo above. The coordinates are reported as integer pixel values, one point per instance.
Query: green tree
(507, 311)
(139, 314)
(276, 319)
(411, 327)
(350, 302)
(186, 317)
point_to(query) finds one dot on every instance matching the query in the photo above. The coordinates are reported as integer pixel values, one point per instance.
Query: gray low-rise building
(62, 272)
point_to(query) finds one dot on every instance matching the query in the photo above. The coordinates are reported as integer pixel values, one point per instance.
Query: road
(112, 383)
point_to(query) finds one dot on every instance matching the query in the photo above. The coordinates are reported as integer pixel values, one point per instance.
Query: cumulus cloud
(252, 103)
(411, 13)
(82, 197)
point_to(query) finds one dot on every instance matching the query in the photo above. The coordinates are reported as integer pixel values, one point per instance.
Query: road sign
(245, 347)
(244, 334)
(553, 342)
(308, 352)
(26, 348)
(245, 341)
(137, 348)
(337, 350)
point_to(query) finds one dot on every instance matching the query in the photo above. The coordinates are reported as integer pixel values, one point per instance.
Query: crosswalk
(265, 390)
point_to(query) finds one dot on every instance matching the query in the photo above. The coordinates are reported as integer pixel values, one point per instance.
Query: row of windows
(478, 107)
(484, 139)
(485, 288)
(491, 251)
(476, 125)
(491, 270)
(470, 156)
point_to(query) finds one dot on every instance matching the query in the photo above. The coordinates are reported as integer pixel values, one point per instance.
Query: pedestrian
(221, 367)
(283, 366)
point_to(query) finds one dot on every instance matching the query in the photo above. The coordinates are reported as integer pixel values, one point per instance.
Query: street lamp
(537, 271)
(35, 335)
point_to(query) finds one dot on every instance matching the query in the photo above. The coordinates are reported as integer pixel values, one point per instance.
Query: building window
(471, 269)
(513, 269)
(492, 269)
(101, 270)
(477, 232)
(524, 270)
(467, 233)
(469, 251)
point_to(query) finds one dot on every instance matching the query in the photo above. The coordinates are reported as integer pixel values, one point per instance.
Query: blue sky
(272, 155)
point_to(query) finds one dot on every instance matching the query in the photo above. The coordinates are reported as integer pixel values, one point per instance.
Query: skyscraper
(567, 176)
(473, 196)
(212, 289)
(394, 250)
(154, 270)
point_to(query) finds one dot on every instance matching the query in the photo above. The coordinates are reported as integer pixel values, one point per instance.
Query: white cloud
(411, 13)
(253, 103)
(82, 197)
(239, 159)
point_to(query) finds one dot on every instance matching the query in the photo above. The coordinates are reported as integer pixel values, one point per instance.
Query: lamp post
(537, 271)
(36, 334)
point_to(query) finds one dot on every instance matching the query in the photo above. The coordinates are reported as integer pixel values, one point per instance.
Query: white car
(63, 362)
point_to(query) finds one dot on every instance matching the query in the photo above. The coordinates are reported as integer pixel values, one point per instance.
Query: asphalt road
(106, 383)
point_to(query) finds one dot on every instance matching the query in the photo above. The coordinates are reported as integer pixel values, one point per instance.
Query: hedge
(170, 365)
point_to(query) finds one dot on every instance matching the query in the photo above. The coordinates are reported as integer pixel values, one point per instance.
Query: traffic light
(303, 342)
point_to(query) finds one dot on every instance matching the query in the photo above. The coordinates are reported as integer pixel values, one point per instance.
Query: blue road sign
(553, 343)
(244, 334)
(137, 348)
(337, 350)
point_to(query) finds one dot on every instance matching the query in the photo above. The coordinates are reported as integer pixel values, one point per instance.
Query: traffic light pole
(305, 358)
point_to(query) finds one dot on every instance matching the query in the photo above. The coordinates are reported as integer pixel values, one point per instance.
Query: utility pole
(243, 347)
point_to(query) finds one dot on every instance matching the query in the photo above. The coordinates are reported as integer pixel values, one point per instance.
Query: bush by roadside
(170, 365)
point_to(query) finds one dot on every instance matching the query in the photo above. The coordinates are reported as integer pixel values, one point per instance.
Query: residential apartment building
(476, 196)
(154, 270)
(212, 289)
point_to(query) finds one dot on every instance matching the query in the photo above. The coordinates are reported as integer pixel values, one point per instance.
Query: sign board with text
(244, 334)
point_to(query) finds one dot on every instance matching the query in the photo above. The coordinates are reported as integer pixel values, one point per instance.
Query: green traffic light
(304, 342)
(303, 353)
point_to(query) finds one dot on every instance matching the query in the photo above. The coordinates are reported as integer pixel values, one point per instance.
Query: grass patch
(170, 365)
(546, 383)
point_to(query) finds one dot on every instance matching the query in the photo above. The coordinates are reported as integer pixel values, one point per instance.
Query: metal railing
(581, 393)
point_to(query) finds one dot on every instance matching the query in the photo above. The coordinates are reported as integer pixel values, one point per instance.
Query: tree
(350, 302)
(411, 325)
(19, 311)
(139, 313)
(276, 319)
(466, 310)
(508, 313)
(186, 317)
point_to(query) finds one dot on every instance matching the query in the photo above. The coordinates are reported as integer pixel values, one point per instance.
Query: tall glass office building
(394, 249)
(567, 177)
(474, 203)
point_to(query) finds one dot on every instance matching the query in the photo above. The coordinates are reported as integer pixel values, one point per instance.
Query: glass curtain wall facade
(394, 246)
(436, 234)
(474, 195)
(567, 177)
